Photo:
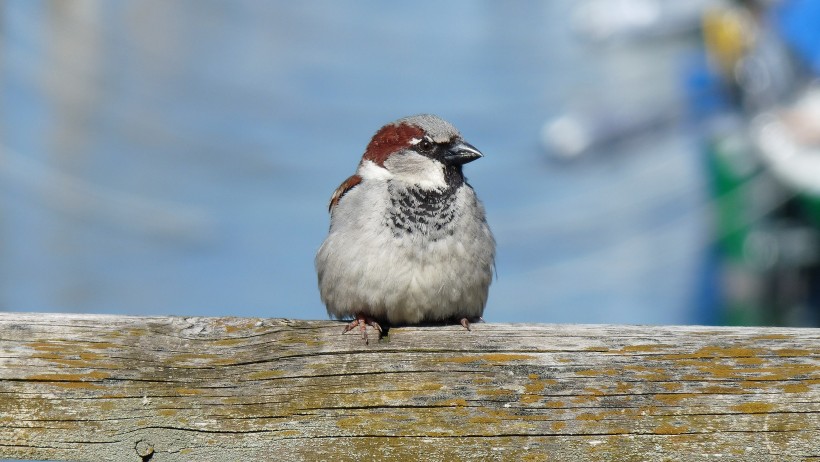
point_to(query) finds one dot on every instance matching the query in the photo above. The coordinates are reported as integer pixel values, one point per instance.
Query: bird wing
(343, 188)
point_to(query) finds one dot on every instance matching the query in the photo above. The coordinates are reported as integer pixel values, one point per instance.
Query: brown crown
(390, 139)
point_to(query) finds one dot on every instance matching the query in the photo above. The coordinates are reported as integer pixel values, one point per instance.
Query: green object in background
(731, 167)
(747, 199)
(767, 237)
(742, 193)
(811, 206)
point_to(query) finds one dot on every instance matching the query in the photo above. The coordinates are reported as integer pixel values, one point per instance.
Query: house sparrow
(409, 242)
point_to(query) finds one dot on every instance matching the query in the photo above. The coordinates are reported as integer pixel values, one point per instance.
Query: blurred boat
(753, 94)
(765, 169)
(577, 133)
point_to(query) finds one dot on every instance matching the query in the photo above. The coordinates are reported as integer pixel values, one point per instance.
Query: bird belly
(406, 281)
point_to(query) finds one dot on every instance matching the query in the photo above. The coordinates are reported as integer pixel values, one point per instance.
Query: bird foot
(362, 322)
(466, 322)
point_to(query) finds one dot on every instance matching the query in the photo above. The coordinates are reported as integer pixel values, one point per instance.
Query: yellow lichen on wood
(252, 389)
(796, 388)
(753, 408)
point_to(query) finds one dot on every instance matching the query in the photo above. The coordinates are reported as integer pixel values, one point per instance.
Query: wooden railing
(99, 388)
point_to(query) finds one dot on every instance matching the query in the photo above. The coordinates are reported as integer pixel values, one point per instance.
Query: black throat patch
(425, 213)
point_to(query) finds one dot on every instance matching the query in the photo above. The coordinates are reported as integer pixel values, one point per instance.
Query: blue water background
(177, 157)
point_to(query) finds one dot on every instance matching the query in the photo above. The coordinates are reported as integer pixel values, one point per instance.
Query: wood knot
(144, 449)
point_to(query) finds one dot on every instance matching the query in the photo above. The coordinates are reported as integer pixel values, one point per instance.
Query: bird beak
(460, 153)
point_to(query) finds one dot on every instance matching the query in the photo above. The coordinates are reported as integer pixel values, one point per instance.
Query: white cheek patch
(368, 170)
(417, 170)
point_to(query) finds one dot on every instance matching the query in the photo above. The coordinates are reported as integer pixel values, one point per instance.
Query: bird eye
(425, 145)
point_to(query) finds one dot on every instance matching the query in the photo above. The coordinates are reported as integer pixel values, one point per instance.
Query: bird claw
(362, 322)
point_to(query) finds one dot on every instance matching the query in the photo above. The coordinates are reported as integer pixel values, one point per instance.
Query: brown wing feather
(346, 186)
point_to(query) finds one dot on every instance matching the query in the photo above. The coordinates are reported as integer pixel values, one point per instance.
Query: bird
(409, 241)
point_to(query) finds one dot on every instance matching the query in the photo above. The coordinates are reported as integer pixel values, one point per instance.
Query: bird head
(422, 150)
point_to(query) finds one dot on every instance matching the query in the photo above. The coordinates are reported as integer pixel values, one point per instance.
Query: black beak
(460, 152)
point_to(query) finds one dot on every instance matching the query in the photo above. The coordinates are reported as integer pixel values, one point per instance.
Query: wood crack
(87, 387)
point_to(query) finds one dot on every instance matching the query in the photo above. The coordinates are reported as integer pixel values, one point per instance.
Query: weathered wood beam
(95, 388)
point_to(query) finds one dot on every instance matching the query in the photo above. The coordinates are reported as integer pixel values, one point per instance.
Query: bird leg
(466, 322)
(362, 322)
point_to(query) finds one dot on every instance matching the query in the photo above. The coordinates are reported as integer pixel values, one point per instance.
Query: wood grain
(95, 388)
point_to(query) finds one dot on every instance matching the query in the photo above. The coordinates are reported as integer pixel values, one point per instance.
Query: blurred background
(646, 161)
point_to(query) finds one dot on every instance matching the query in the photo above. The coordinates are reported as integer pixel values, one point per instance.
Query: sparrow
(409, 241)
